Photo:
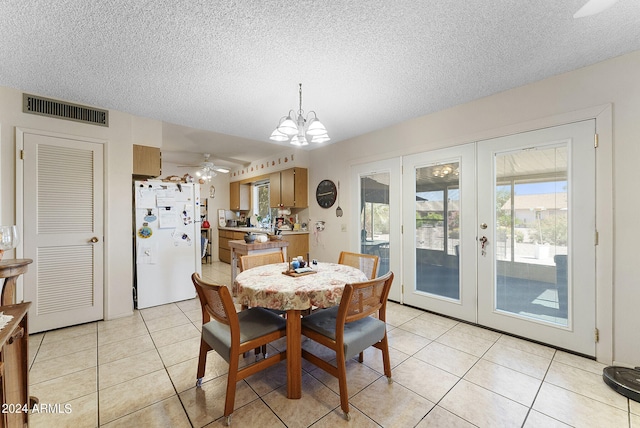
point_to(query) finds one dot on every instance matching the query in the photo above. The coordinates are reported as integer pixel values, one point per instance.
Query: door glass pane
(374, 217)
(531, 243)
(437, 213)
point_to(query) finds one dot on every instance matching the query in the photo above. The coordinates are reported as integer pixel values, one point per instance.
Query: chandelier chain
(300, 111)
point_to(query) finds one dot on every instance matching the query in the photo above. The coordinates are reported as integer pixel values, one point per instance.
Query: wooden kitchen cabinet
(239, 196)
(288, 188)
(14, 368)
(146, 161)
(298, 244)
(224, 236)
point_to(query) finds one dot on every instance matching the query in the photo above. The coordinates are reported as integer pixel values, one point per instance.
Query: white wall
(124, 130)
(614, 81)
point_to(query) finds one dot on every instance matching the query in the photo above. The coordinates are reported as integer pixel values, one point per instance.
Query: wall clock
(326, 193)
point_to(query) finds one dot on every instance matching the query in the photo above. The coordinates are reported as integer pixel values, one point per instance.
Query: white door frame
(577, 138)
(603, 114)
(392, 166)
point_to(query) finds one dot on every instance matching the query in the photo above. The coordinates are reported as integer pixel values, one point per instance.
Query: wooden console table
(14, 367)
(11, 269)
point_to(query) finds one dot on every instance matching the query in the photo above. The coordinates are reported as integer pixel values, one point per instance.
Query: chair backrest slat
(253, 260)
(364, 299)
(367, 263)
(216, 301)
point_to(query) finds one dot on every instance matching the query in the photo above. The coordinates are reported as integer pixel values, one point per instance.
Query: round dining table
(269, 287)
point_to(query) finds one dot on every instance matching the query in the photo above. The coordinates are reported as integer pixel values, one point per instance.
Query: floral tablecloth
(268, 287)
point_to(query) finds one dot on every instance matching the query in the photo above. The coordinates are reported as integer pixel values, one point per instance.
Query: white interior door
(536, 222)
(439, 212)
(62, 193)
(376, 187)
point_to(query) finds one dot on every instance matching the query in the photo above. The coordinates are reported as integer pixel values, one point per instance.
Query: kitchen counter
(264, 231)
(298, 240)
(255, 246)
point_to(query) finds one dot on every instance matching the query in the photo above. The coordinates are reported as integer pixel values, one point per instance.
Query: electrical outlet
(344, 227)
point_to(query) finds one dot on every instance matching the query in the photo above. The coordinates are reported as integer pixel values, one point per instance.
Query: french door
(494, 229)
(538, 205)
(439, 202)
(377, 223)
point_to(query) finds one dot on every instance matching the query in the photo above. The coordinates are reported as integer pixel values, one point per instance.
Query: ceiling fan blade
(593, 7)
(233, 160)
(208, 165)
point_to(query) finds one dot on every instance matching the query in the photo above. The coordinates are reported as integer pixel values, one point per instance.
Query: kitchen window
(261, 206)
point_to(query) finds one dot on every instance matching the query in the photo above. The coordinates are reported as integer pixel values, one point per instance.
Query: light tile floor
(140, 371)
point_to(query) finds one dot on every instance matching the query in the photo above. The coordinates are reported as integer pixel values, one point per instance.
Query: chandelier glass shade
(442, 171)
(206, 173)
(296, 130)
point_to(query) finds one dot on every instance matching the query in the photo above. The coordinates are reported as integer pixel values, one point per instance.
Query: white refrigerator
(167, 241)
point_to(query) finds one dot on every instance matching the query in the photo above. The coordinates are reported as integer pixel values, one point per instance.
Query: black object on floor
(623, 380)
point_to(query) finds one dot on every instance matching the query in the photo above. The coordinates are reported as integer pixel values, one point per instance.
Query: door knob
(483, 226)
(94, 240)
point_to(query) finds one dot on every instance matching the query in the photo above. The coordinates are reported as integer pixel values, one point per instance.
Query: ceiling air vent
(54, 108)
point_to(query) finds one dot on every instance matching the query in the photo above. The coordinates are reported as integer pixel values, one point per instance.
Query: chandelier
(442, 171)
(296, 131)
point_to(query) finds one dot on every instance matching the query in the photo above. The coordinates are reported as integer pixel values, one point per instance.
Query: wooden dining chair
(348, 329)
(232, 334)
(253, 260)
(249, 261)
(367, 263)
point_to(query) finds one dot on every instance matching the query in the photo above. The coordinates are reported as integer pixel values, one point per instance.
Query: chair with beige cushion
(367, 263)
(232, 334)
(348, 329)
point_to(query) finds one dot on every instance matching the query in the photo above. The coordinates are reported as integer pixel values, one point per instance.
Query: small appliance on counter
(281, 224)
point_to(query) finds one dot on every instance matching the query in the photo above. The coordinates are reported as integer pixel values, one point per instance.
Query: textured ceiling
(233, 67)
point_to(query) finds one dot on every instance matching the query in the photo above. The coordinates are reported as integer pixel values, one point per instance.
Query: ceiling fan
(206, 169)
(593, 7)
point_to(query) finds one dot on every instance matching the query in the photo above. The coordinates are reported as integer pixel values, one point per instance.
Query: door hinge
(597, 238)
(595, 141)
(596, 335)
(21, 154)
